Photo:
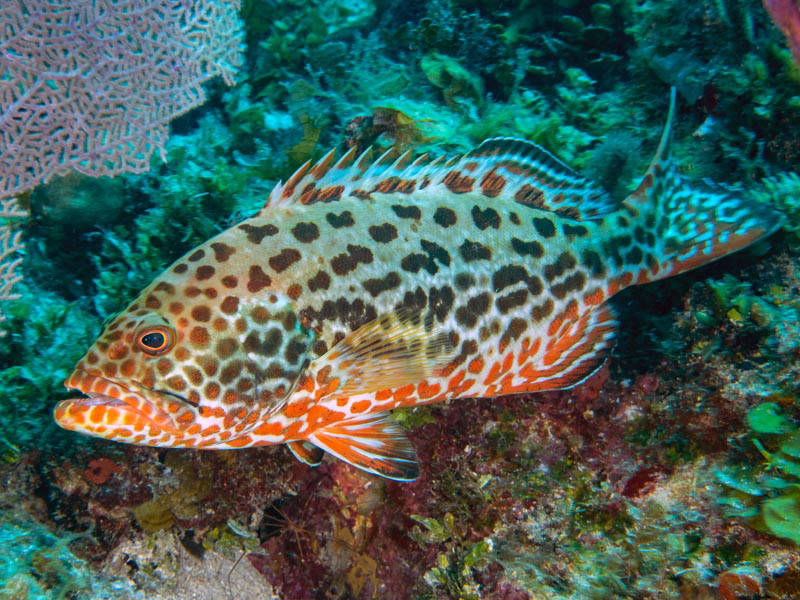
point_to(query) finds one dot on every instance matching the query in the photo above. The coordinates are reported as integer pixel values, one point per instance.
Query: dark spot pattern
(257, 233)
(407, 212)
(197, 255)
(383, 234)
(532, 248)
(471, 251)
(544, 227)
(464, 281)
(415, 300)
(574, 230)
(229, 305)
(305, 232)
(468, 315)
(344, 219)
(352, 314)
(343, 263)
(561, 265)
(542, 311)
(201, 313)
(268, 346)
(444, 217)
(635, 256)
(378, 285)
(180, 268)
(415, 261)
(295, 350)
(573, 283)
(591, 260)
(230, 281)
(514, 218)
(514, 330)
(257, 279)
(440, 301)
(436, 252)
(204, 272)
(320, 281)
(163, 286)
(485, 218)
(286, 258)
(512, 300)
(509, 275)
(222, 252)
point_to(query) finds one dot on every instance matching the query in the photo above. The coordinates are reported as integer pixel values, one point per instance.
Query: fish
(366, 285)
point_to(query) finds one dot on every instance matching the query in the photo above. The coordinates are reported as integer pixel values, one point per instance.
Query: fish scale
(363, 286)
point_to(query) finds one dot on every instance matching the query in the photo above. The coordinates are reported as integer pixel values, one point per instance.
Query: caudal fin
(682, 225)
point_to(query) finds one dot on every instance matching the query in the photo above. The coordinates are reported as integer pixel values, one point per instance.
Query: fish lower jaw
(113, 418)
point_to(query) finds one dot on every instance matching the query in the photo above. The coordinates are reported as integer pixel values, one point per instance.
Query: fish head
(188, 366)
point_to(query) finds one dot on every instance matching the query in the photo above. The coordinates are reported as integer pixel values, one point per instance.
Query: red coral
(100, 470)
(735, 585)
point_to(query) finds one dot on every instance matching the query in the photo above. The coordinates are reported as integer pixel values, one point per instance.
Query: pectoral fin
(374, 443)
(396, 349)
(306, 452)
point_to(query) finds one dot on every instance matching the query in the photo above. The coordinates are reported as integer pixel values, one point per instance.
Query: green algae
(767, 493)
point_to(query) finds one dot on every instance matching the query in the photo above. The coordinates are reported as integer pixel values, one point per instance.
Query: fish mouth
(111, 410)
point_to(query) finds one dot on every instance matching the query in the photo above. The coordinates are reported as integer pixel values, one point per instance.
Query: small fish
(364, 286)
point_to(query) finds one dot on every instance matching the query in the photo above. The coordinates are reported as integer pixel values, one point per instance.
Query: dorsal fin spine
(323, 165)
(346, 160)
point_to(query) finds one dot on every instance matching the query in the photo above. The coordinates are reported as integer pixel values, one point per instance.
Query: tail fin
(684, 225)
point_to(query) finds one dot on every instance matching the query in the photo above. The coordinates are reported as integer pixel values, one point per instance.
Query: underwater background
(674, 472)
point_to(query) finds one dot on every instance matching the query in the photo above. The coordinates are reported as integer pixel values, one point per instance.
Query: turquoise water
(131, 136)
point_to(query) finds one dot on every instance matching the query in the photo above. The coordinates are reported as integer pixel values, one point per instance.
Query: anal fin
(374, 443)
(306, 452)
(573, 354)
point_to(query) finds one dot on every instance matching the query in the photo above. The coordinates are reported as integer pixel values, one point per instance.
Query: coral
(783, 191)
(100, 470)
(42, 566)
(92, 86)
(10, 244)
(180, 504)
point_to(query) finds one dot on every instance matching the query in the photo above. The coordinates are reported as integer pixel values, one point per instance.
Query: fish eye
(155, 340)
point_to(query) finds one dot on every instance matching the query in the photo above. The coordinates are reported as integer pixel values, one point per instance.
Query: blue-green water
(672, 473)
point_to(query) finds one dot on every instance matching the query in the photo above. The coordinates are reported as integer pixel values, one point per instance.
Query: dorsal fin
(661, 156)
(500, 167)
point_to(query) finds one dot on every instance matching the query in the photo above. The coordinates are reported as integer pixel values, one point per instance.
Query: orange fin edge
(374, 443)
(306, 452)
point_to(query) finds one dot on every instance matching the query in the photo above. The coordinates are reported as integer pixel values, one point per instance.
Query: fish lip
(158, 417)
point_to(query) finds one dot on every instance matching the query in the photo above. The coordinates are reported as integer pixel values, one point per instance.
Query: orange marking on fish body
(239, 442)
(426, 391)
(594, 297)
(403, 392)
(297, 409)
(476, 365)
(360, 406)
(268, 429)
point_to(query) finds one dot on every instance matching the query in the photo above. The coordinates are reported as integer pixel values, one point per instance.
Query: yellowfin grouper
(365, 286)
